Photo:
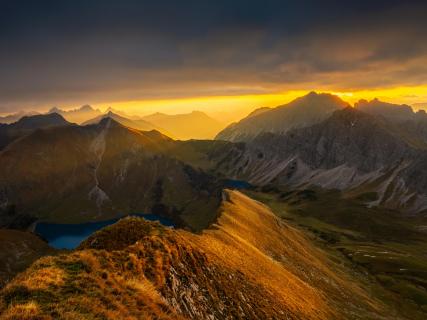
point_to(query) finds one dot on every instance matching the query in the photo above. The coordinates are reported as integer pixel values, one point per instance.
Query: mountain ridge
(195, 276)
(301, 112)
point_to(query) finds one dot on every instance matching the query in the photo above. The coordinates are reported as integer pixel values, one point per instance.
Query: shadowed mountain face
(96, 172)
(11, 118)
(249, 265)
(194, 125)
(410, 123)
(28, 124)
(301, 112)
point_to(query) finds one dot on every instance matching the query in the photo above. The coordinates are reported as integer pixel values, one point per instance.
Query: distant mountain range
(78, 115)
(194, 125)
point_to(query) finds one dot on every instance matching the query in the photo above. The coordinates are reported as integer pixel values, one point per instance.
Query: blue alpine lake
(69, 236)
(236, 184)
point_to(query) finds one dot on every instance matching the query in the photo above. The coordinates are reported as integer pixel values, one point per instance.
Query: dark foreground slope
(18, 250)
(249, 265)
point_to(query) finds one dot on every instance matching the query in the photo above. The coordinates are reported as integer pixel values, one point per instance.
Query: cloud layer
(56, 52)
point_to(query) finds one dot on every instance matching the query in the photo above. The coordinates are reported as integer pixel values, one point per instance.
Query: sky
(226, 57)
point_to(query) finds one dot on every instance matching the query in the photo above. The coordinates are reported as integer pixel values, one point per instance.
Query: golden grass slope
(249, 265)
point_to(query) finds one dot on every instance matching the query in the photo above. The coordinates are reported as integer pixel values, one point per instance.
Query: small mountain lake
(236, 184)
(69, 236)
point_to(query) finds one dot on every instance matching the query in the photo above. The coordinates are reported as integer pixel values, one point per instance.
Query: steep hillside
(301, 112)
(96, 172)
(249, 265)
(79, 115)
(28, 124)
(194, 125)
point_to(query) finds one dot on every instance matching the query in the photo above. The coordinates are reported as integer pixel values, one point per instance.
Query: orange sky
(232, 108)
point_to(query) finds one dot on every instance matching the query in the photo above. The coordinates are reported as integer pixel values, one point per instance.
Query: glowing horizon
(239, 106)
(229, 108)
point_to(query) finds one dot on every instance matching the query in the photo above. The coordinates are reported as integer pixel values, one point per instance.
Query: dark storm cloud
(78, 51)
